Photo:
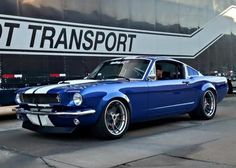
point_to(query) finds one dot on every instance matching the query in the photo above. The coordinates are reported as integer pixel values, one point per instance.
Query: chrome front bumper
(76, 113)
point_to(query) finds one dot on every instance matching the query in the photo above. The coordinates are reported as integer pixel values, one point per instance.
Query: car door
(173, 93)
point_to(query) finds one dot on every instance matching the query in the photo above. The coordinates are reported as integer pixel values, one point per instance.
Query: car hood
(69, 85)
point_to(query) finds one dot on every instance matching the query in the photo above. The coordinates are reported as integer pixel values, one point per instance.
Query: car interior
(170, 70)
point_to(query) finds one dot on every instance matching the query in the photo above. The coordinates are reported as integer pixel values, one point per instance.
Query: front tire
(207, 106)
(114, 121)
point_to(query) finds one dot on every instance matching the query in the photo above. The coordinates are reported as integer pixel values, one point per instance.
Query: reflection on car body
(120, 92)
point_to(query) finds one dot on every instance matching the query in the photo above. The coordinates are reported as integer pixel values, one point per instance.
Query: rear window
(192, 72)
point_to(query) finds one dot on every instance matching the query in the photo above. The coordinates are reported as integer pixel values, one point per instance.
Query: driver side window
(167, 70)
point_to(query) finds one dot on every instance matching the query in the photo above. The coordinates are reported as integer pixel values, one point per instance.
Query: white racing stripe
(33, 119)
(37, 119)
(46, 121)
(31, 90)
(45, 89)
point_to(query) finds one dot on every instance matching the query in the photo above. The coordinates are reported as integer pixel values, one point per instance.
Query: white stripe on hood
(45, 89)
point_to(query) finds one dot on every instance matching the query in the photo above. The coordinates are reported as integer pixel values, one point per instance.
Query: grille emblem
(58, 98)
(34, 100)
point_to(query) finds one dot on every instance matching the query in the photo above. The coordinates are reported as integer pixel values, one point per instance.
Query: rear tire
(230, 86)
(114, 121)
(207, 106)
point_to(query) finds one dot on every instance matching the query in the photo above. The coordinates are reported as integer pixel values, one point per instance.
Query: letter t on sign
(12, 27)
(34, 31)
(0, 30)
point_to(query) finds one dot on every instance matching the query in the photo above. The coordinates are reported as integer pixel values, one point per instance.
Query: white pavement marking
(10, 125)
(7, 125)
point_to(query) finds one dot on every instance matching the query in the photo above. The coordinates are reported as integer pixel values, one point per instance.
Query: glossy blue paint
(173, 96)
(146, 99)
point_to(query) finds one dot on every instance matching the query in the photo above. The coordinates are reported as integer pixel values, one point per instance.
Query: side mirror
(87, 75)
(190, 77)
(151, 77)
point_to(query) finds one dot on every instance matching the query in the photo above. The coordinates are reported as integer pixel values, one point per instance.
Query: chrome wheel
(116, 117)
(206, 108)
(209, 103)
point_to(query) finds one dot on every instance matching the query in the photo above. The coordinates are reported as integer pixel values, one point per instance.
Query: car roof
(151, 58)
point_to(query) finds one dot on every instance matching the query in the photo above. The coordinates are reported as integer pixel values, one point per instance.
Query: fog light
(76, 121)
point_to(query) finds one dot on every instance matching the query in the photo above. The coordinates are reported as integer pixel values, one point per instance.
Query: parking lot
(172, 142)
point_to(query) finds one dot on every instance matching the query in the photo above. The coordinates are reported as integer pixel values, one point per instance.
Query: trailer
(44, 42)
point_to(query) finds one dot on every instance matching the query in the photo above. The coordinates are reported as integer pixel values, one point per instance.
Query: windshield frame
(98, 68)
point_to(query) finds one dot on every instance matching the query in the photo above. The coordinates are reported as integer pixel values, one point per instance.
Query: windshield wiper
(117, 76)
(87, 77)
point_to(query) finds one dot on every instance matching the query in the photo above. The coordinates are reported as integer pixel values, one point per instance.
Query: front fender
(109, 97)
(114, 95)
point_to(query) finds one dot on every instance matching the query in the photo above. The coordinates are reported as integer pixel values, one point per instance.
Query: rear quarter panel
(219, 84)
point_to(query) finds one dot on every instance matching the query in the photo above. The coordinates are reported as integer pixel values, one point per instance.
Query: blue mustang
(119, 92)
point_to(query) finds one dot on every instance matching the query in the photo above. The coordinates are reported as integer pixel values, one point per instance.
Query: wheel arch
(126, 103)
(197, 113)
(209, 86)
(204, 88)
(115, 96)
(100, 125)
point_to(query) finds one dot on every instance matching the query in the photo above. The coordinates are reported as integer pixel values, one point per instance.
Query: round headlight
(18, 98)
(77, 98)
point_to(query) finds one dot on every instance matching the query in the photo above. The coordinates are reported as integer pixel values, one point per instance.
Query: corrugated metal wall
(175, 16)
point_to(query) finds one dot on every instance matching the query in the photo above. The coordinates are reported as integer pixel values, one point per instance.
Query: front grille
(40, 98)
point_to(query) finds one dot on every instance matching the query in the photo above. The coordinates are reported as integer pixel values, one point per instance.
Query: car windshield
(123, 68)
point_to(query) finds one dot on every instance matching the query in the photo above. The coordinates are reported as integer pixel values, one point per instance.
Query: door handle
(185, 82)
